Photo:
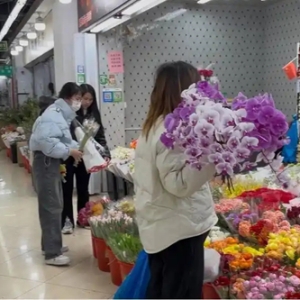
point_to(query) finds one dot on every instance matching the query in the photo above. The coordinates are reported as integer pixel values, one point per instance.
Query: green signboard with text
(3, 46)
(6, 70)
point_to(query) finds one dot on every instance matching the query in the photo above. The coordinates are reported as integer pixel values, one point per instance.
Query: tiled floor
(23, 274)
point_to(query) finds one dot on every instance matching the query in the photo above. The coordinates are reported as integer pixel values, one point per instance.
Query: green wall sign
(6, 70)
(3, 46)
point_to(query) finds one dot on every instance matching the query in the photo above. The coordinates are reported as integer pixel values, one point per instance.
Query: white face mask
(76, 105)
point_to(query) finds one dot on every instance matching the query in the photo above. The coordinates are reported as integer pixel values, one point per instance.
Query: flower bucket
(290, 70)
(209, 292)
(115, 271)
(100, 247)
(94, 246)
(125, 269)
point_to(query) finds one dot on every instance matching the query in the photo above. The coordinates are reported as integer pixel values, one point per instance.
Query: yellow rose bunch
(241, 186)
(284, 245)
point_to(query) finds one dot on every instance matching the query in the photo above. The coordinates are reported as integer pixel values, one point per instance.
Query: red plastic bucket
(115, 271)
(209, 292)
(100, 247)
(125, 269)
(94, 246)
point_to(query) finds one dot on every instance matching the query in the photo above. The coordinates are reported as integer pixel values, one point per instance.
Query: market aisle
(23, 274)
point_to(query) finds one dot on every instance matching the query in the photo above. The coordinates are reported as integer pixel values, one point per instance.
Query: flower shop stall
(257, 235)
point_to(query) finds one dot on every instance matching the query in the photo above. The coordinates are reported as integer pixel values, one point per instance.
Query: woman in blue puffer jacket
(51, 142)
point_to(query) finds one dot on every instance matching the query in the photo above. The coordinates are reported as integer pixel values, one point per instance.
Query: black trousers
(178, 271)
(82, 185)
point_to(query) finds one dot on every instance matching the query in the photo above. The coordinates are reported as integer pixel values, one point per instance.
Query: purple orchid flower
(210, 91)
(185, 112)
(168, 140)
(266, 115)
(242, 153)
(239, 102)
(253, 107)
(224, 169)
(171, 122)
(279, 125)
(215, 158)
(229, 158)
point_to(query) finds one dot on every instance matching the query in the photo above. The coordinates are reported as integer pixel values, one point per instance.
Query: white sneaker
(68, 228)
(64, 249)
(60, 260)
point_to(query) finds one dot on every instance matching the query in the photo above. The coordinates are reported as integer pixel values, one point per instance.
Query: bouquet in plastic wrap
(210, 133)
(92, 208)
(92, 158)
(122, 163)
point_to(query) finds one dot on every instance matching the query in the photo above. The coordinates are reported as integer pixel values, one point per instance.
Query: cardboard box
(19, 145)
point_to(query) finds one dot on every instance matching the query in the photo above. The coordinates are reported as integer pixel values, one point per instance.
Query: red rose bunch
(269, 199)
(206, 73)
(292, 295)
(261, 231)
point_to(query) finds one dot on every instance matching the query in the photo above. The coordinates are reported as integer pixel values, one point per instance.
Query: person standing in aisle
(51, 89)
(174, 205)
(51, 141)
(89, 109)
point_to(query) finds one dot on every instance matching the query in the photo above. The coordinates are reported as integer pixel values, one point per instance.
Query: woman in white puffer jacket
(174, 205)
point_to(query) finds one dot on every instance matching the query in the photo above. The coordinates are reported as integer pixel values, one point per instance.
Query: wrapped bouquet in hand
(92, 158)
(210, 133)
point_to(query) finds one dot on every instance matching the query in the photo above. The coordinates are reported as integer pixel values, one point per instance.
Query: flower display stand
(125, 269)
(115, 271)
(100, 249)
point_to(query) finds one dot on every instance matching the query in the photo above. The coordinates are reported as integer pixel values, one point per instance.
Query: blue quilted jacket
(51, 131)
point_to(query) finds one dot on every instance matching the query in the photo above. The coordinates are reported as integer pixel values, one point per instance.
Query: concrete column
(64, 28)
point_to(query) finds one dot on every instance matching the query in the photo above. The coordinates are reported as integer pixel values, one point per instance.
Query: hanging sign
(3, 46)
(6, 70)
(112, 95)
(80, 69)
(103, 79)
(112, 80)
(80, 78)
(115, 62)
(91, 11)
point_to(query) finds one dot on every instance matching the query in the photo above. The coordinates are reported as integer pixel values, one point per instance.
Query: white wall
(42, 44)
(23, 79)
(282, 34)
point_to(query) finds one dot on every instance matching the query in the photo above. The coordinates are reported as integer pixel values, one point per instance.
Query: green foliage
(24, 116)
(126, 247)
(29, 113)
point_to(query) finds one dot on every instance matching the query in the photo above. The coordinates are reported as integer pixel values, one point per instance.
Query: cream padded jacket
(173, 201)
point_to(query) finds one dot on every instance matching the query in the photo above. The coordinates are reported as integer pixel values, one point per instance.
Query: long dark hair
(69, 90)
(93, 108)
(171, 79)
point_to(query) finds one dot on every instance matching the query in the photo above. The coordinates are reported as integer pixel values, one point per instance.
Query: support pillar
(65, 25)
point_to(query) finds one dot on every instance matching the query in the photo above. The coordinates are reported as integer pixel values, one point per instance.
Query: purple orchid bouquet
(210, 133)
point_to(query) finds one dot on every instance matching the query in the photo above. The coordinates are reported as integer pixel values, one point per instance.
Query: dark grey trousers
(48, 184)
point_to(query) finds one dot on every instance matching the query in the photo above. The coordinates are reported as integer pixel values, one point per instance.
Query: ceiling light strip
(134, 9)
(12, 17)
(141, 6)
